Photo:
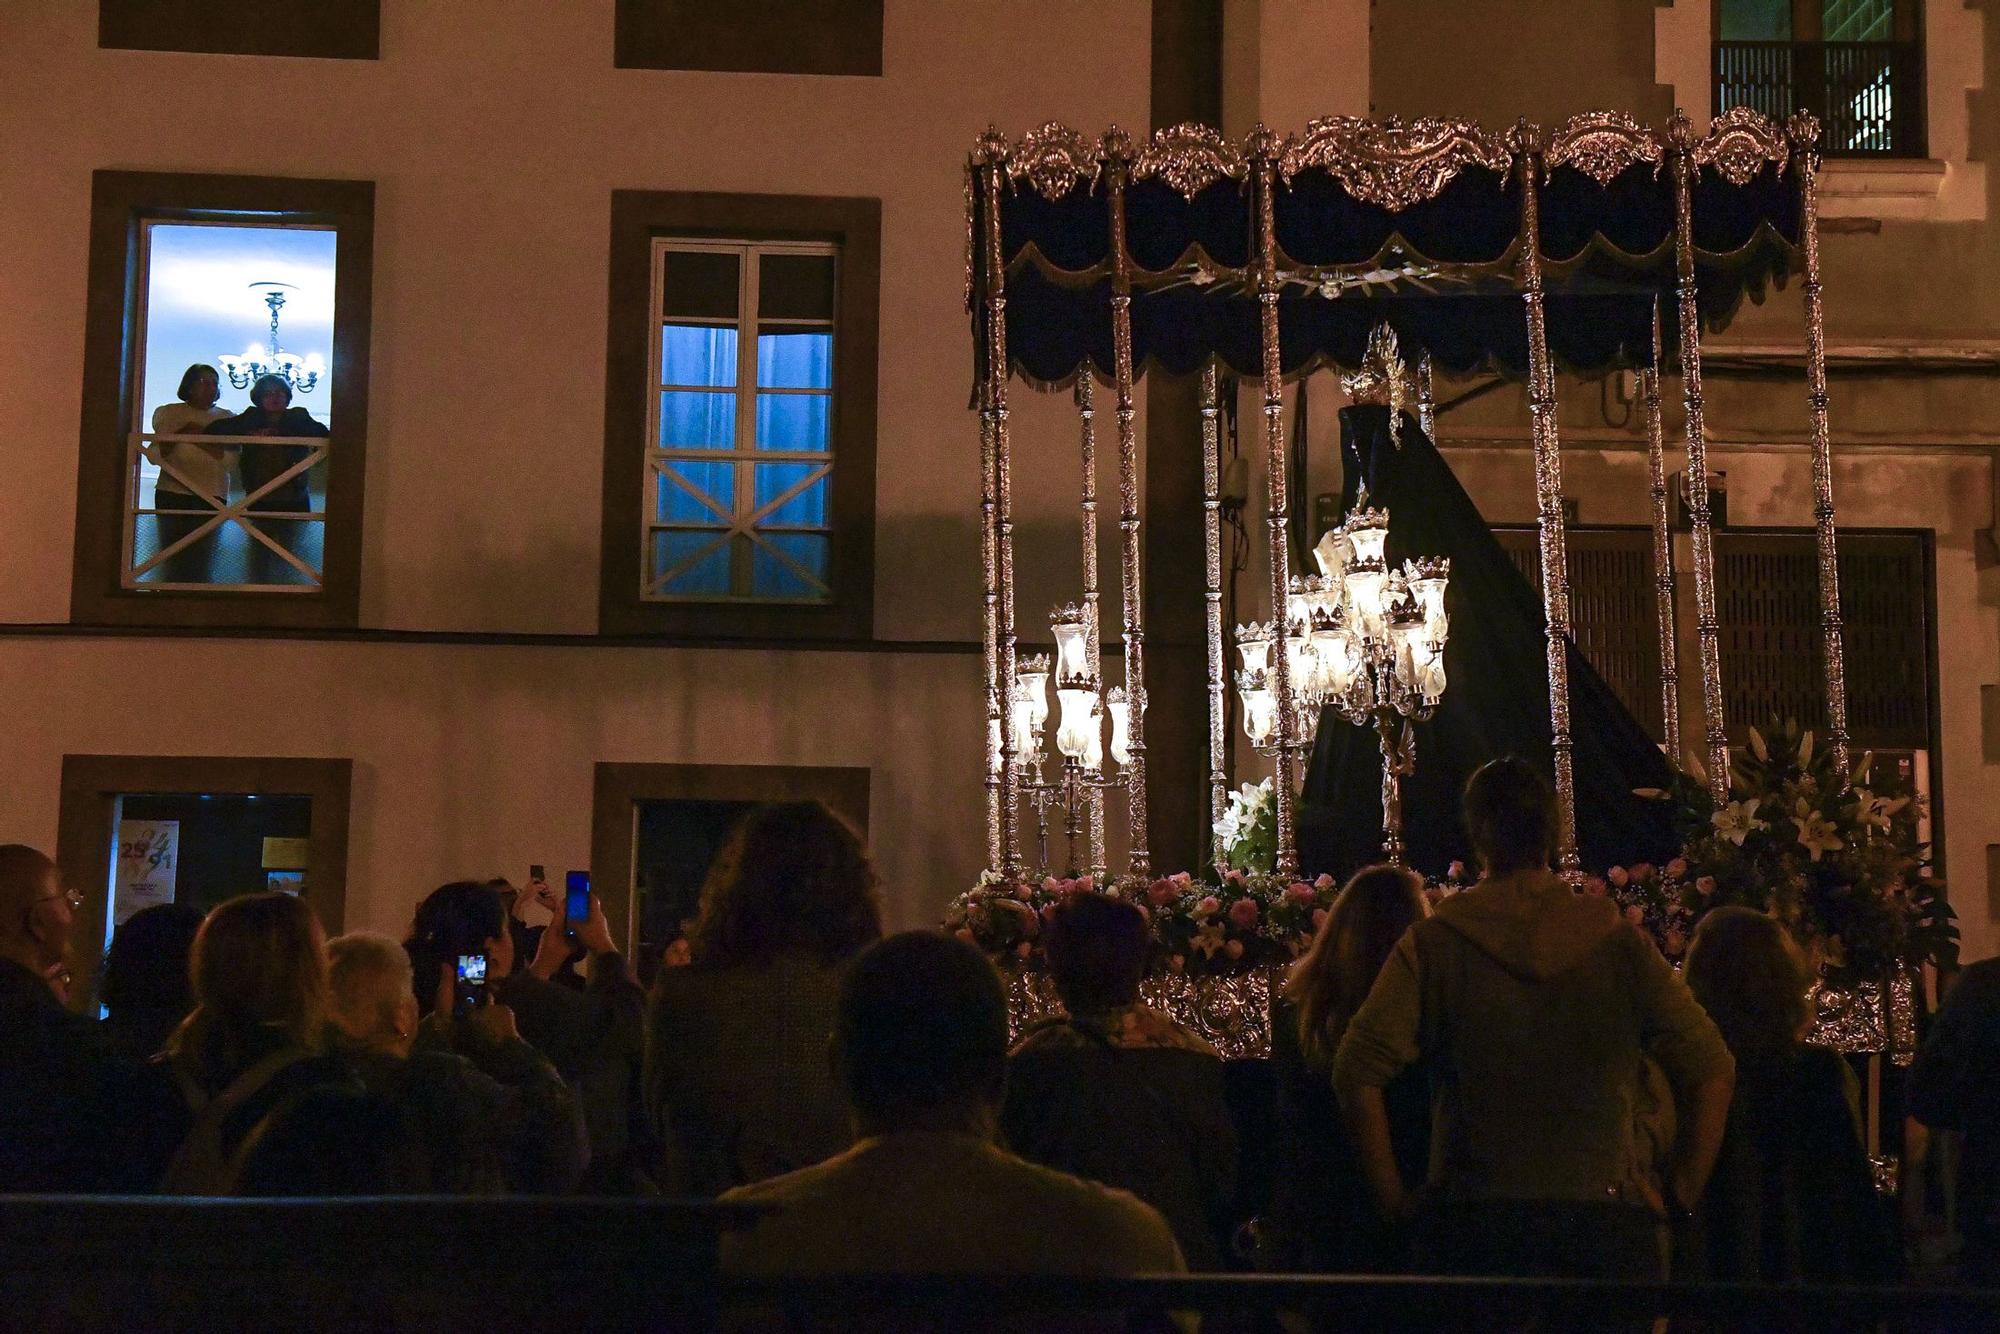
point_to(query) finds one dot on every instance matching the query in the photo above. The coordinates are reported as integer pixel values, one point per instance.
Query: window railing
(206, 513)
(1869, 96)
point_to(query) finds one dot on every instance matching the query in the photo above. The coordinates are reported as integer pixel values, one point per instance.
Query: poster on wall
(148, 852)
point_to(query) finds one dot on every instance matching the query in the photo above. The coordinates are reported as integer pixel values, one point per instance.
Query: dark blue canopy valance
(1419, 227)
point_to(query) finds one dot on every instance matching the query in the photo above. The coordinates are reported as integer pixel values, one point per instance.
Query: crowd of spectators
(1513, 1084)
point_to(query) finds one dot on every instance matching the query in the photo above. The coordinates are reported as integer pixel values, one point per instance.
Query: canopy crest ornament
(1604, 144)
(1190, 158)
(1739, 144)
(1053, 158)
(1390, 164)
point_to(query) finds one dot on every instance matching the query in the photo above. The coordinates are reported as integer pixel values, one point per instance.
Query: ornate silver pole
(1263, 161)
(1117, 157)
(991, 159)
(1663, 550)
(1681, 134)
(1086, 411)
(1211, 506)
(1426, 403)
(1805, 147)
(989, 560)
(1526, 143)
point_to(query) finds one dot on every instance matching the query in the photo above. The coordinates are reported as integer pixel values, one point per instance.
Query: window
(193, 509)
(739, 448)
(739, 478)
(1856, 64)
(331, 29)
(135, 830)
(752, 36)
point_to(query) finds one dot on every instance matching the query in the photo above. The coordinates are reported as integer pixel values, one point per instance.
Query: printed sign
(287, 854)
(148, 852)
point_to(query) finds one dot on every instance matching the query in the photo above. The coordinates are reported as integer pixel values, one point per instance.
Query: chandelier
(1359, 637)
(1077, 788)
(301, 373)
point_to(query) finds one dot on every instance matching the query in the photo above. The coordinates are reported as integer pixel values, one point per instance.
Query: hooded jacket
(1531, 1008)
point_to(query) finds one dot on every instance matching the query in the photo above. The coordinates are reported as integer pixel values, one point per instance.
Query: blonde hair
(368, 975)
(1328, 985)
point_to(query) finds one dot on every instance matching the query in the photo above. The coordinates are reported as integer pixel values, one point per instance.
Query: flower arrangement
(1241, 922)
(1246, 835)
(1839, 862)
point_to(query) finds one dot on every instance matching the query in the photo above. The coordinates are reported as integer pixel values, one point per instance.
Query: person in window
(737, 1084)
(194, 477)
(1117, 1092)
(1321, 1215)
(271, 414)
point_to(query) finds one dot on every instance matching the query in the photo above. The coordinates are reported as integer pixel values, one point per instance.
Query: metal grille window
(1613, 613)
(1856, 64)
(739, 457)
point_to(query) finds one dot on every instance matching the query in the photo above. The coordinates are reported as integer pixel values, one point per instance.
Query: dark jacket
(1323, 1218)
(190, 1083)
(138, 1033)
(1131, 1099)
(1792, 1199)
(738, 1086)
(74, 1117)
(1955, 1085)
(596, 1040)
(259, 464)
(490, 1117)
(1531, 1007)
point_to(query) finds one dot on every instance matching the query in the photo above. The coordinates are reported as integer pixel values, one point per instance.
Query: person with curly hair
(737, 1086)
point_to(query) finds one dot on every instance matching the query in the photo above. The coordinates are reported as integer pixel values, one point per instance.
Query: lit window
(739, 438)
(221, 492)
(1858, 65)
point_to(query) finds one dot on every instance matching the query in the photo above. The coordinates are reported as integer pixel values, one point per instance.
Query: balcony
(224, 513)
(1869, 96)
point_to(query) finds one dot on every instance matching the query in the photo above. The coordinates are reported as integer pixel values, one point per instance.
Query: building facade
(545, 594)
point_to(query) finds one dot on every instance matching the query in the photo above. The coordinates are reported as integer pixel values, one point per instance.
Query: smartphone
(535, 872)
(576, 901)
(470, 985)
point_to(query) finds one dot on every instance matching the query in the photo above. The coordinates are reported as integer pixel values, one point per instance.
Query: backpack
(200, 1166)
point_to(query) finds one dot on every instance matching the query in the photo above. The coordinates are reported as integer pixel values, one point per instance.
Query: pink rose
(1243, 912)
(1163, 892)
(1023, 893)
(1677, 869)
(1705, 886)
(1618, 877)
(1324, 881)
(1455, 871)
(1232, 876)
(1052, 885)
(1086, 882)
(1635, 914)
(1642, 871)
(1208, 907)
(1176, 962)
(1181, 878)
(1595, 887)
(1319, 918)
(1300, 892)
(1234, 949)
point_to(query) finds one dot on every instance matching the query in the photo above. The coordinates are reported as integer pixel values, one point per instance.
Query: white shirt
(203, 469)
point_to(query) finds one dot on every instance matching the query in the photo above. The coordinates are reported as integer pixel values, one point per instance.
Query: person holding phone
(593, 1032)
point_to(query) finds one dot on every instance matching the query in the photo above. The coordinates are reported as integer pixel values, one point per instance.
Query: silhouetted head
(1361, 929)
(1748, 973)
(1096, 947)
(920, 1036)
(1510, 817)
(792, 878)
(146, 967)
